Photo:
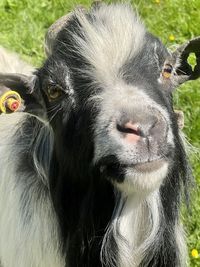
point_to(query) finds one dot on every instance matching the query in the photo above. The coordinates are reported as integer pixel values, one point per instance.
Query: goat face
(119, 119)
(106, 89)
(113, 83)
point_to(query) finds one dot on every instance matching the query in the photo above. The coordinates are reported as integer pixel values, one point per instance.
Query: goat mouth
(149, 166)
(117, 171)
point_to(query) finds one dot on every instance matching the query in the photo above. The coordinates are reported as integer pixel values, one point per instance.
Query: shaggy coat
(92, 172)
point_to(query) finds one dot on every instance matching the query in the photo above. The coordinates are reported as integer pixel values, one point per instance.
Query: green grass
(23, 24)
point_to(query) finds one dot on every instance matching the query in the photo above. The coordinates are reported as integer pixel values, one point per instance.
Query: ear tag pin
(10, 102)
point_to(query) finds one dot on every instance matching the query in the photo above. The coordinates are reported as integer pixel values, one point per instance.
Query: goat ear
(53, 32)
(56, 28)
(97, 3)
(184, 71)
(25, 86)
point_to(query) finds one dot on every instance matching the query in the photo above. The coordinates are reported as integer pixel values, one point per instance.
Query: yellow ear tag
(10, 102)
(166, 74)
(167, 71)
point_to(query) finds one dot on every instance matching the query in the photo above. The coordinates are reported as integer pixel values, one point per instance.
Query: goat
(92, 172)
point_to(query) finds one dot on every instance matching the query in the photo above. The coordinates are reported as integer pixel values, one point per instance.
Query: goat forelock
(110, 36)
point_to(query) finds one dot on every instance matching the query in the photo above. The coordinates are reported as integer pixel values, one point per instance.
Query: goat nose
(143, 126)
(131, 131)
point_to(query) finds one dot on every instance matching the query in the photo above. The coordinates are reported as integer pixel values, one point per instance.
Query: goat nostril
(129, 128)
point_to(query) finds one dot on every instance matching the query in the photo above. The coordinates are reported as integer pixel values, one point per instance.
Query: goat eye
(167, 71)
(54, 92)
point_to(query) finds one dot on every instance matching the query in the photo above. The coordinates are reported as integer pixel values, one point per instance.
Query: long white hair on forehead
(109, 37)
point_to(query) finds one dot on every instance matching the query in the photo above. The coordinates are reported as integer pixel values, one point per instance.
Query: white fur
(11, 63)
(114, 36)
(22, 239)
(181, 243)
(135, 228)
(139, 225)
(143, 182)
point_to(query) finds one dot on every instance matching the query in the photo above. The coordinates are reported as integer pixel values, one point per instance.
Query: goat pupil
(54, 92)
(167, 70)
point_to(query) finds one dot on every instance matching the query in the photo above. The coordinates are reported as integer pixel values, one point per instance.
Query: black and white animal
(92, 173)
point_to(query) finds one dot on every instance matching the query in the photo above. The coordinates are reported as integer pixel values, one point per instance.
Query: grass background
(23, 24)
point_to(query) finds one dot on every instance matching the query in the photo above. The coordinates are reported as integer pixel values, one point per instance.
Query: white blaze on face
(112, 36)
(108, 141)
